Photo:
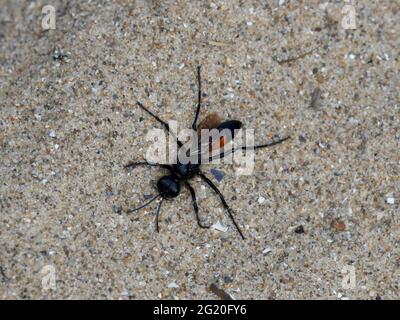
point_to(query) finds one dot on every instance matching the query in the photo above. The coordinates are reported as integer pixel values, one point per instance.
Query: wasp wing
(213, 136)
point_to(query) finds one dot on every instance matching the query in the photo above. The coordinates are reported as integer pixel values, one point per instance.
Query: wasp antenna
(166, 125)
(144, 205)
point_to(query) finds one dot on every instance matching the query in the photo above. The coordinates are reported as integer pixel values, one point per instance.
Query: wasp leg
(216, 190)
(144, 163)
(196, 208)
(194, 125)
(270, 144)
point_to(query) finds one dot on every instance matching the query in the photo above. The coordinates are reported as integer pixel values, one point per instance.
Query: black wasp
(169, 186)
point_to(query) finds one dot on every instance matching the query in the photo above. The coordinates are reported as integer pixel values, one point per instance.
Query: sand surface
(320, 212)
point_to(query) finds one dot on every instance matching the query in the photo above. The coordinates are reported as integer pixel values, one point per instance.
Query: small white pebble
(52, 134)
(173, 285)
(261, 200)
(44, 181)
(267, 250)
(390, 200)
(249, 23)
(153, 96)
(354, 121)
(281, 2)
(323, 6)
(372, 293)
(220, 227)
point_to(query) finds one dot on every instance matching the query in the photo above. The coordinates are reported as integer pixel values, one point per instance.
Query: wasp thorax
(185, 171)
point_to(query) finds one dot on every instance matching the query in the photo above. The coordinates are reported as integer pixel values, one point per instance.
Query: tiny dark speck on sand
(219, 175)
(315, 98)
(299, 229)
(227, 279)
(219, 292)
(108, 191)
(3, 274)
(302, 139)
(117, 209)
